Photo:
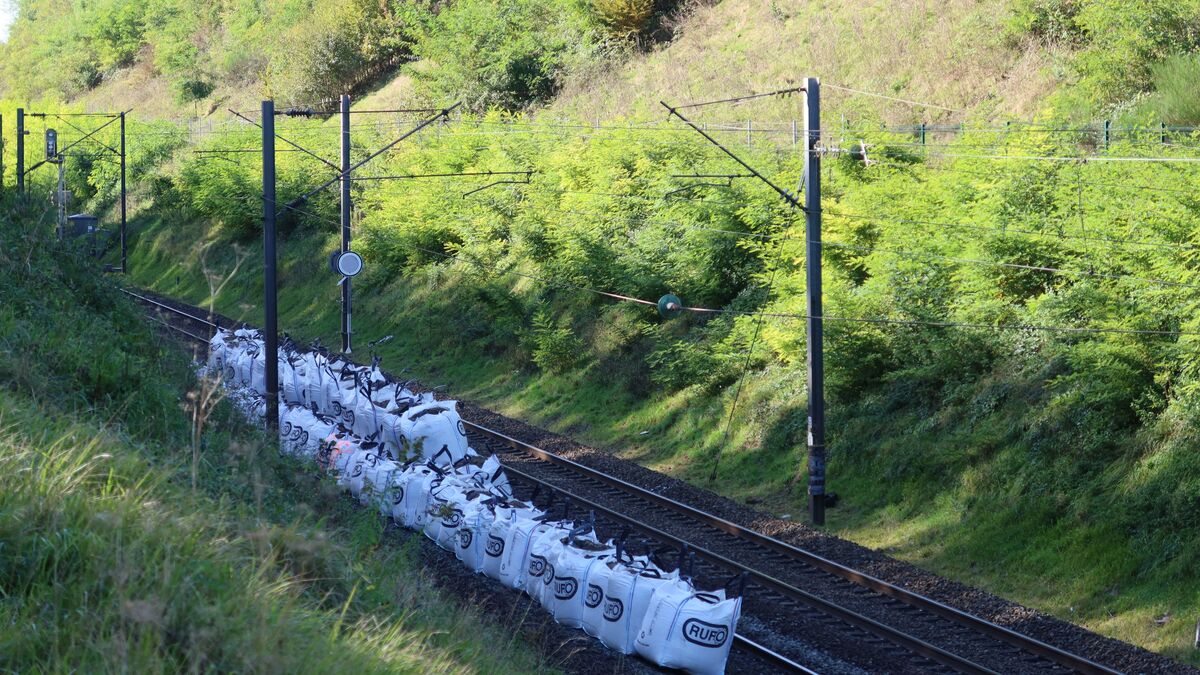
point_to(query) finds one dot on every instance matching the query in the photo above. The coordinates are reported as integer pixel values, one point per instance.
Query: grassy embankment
(1006, 460)
(112, 558)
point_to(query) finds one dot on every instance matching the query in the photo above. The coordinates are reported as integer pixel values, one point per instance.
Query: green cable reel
(670, 306)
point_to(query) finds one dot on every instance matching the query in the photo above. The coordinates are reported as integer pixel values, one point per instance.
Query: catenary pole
(124, 213)
(816, 338)
(20, 149)
(347, 296)
(271, 327)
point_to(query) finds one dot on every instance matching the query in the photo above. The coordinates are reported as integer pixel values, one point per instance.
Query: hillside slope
(1013, 395)
(957, 54)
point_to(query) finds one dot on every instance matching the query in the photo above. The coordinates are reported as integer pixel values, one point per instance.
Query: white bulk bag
(686, 629)
(514, 562)
(542, 552)
(368, 419)
(291, 379)
(391, 436)
(472, 535)
(491, 477)
(355, 476)
(376, 481)
(339, 447)
(432, 427)
(592, 617)
(626, 598)
(497, 536)
(218, 349)
(414, 513)
(317, 429)
(293, 421)
(572, 567)
(243, 367)
(446, 511)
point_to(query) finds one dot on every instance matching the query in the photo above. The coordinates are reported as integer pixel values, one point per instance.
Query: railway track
(795, 599)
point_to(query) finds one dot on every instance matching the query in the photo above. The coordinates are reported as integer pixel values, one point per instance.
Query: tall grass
(111, 561)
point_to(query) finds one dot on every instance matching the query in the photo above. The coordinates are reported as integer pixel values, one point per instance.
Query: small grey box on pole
(270, 289)
(347, 295)
(815, 325)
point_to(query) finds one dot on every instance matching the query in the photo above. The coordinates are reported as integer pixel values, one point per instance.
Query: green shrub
(506, 54)
(555, 349)
(624, 17)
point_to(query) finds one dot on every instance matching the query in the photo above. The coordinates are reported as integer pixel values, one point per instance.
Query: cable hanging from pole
(788, 196)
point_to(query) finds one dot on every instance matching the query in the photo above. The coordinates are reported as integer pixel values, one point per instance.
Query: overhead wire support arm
(94, 140)
(413, 176)
(77, 142)
(442, 114)
(739, 99)
(294, 145)
(65, 114)
(787, 196)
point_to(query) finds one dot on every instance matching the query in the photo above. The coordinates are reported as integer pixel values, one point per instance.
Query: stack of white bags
(407, 454)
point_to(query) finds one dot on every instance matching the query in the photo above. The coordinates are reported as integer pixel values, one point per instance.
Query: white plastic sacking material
(294, 421)
(368, 419)
(490, 476)
(514, 562)
(343, 403)
(354, 477)
(539, 575)
(473, 533)
(391, 502)
(572, 567)
(432, 427)
(413, 513)
(218, 348)
(250, 403)
(319, 384)
(243, 367)
(628, 594)
(376, 481)
(498, 533)
(446, 502)
(319, 428)
(592, 618)
(339, 447)
(292, 379)
(687, 629)
(391, 436)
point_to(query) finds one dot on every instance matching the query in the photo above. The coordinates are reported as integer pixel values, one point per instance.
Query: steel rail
(169, 308)
(1023, 642)
(773, 657)
(178, 329)
(742, 642)
(913, 644)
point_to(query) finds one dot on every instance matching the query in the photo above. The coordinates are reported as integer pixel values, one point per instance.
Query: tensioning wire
(883, 220)
(843, 319)
(998, 176)
(997, 263)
